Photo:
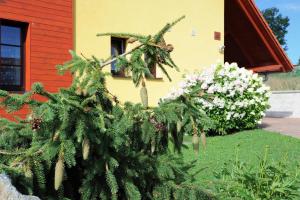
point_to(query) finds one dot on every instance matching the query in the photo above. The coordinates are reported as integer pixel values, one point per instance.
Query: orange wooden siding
(49, 37)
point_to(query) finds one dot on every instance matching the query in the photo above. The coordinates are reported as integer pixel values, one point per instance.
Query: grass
(251, 145)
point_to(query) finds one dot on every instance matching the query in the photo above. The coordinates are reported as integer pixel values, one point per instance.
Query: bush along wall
(83, 143)
(239, 97)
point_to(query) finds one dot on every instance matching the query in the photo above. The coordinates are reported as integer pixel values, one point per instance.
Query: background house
(36, 35)
(198, 40)
(193, 38)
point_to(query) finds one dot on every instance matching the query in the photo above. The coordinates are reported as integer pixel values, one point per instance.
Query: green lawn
(251, 145)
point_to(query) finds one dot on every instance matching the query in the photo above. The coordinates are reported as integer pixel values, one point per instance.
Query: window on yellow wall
(118, 47)
(12, 42)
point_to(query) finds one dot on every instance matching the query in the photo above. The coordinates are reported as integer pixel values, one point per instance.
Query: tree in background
(278, 24)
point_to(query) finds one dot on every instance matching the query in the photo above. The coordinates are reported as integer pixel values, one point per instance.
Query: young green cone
(81, 78)
(196, 143)
(179, 126)
(27, 171)
(195, 139)
(59, 173)
(85, 148)
(56, 136)
(144, 94)
(153, 143)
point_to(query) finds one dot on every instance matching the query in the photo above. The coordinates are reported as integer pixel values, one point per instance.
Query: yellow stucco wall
(191, 53)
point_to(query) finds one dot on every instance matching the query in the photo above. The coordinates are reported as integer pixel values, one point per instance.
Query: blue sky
(290, 8)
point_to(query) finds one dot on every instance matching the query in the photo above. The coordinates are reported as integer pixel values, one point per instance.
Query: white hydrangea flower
(238, 93)
(219, 102)
(204, 86)
(211, 89)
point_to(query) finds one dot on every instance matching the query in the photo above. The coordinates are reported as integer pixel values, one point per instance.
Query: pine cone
(36, 123)
(158, 126)
(59, 173)
(153, 144)
(27, 172)
(196, 143)
(179, 126)
(56, 136)
(144, 95)
(85, 148)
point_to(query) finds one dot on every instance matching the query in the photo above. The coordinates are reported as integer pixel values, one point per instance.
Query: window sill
(155, 79)
(14, 91)
(17, 92)
(129, 77)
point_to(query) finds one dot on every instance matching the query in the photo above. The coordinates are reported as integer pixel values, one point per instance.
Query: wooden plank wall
(49, 38)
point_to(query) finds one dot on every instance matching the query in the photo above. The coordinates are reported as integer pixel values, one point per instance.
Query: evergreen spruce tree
(83, 143)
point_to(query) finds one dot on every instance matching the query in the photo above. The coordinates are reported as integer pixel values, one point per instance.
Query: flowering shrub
(239, 97)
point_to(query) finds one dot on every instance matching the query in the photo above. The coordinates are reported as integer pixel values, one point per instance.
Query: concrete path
(286, 126)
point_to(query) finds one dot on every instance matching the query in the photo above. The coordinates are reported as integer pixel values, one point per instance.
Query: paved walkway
(286, 126)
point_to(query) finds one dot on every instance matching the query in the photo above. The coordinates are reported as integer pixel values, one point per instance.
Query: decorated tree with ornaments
(83, 143)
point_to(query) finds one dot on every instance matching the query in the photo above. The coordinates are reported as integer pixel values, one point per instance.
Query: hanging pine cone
(144, 94)
(80, 89)
(27, 171)
(56, 136)
(85, 148)
(158, 126)
(153, 144)
(196, 143)
(59, 173)
(178, 126)
(36, 123)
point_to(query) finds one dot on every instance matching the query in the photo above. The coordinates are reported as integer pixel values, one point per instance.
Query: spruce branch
(122, 55)
(130, 52)
(4, 152)
(154, 48)
(166, 28)
(38, 88)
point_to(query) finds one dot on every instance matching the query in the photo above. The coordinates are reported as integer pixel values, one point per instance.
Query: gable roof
(249, 39)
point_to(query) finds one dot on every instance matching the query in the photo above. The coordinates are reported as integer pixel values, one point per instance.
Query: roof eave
(267, 35)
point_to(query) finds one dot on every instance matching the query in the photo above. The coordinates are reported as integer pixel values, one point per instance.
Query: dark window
(12, 37)
(118, 47)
